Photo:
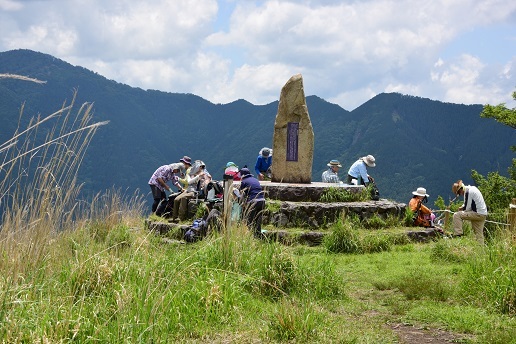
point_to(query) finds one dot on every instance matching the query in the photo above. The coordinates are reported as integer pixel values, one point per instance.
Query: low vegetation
(336, 194)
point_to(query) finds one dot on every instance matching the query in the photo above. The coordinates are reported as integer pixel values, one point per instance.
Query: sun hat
(334, 163)
(456, 187)
(369, 160)
(420, 192)
(266, 152)
(186, 160)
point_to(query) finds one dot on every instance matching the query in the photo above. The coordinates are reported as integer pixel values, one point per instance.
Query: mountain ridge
(416, 141)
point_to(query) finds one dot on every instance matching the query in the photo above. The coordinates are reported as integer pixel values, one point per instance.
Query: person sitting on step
(331, 175)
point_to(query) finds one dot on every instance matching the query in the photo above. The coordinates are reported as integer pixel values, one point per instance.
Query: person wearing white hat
(331, 175)
(423, 216)
(474, 210)
(357, 173)
(263, 164)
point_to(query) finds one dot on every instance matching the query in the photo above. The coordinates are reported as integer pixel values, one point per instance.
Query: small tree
(498, 190)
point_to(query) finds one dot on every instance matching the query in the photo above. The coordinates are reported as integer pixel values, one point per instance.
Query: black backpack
(166, 206)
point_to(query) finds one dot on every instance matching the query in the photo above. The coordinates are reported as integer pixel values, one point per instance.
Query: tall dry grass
(39, 191)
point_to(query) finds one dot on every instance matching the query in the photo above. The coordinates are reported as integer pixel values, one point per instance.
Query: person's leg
(247, 212)
(457, 223)
(477, 223)
(258, 214)
(177, 203)
(254, 216)
(183, 206)
(157, 195)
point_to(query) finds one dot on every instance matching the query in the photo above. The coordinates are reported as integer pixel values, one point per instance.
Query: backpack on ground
(202, 227)
(375, 193)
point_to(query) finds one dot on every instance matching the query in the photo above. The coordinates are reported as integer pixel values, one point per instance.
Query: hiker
(232, 170)
(473, 209)
(253, 201)
(165, 173)
(196, 178)
(423, 216)
(263, 164)
(357, 173)
(331, 175)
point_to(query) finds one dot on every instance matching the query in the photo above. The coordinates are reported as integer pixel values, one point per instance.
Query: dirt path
(409, 334)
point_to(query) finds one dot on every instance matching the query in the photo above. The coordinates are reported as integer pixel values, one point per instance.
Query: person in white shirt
(357, 173)
(474, 210)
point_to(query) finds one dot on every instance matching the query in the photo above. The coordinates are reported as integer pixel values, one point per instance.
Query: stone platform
(300, 205)
(300, 192)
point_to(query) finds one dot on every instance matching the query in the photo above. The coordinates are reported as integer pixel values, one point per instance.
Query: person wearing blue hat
(331, 175)
(253, 201)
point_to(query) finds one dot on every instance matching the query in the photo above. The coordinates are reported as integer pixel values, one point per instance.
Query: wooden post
(512, 216)
(446, 218)
(228, 200)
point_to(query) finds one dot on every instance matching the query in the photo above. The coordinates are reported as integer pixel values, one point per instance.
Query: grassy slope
(110, 283)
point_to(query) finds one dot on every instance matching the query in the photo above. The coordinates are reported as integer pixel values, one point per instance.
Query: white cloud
(347, 51)
(10, 5)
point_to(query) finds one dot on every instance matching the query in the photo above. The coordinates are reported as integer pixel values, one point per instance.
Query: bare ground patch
(409, 334)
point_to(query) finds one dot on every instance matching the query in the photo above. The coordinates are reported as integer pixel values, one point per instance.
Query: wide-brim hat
(456, 187)
(420, 192)
(266, 151)
(186, 160)
(369, 160)
(334, 163)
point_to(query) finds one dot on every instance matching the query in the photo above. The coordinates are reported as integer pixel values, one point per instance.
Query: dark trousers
(360, 181)
(253, 215)
(157, 195)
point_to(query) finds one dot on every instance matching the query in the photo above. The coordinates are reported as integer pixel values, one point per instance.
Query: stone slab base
(300, 192)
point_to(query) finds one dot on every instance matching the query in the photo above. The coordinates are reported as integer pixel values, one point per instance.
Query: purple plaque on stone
(292, 140)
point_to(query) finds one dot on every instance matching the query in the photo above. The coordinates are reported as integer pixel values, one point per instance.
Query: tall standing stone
(293, 139)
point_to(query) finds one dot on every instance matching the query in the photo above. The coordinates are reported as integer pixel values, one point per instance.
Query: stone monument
(293, 138)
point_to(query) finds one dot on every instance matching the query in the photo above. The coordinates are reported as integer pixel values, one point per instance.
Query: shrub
(342, 239)
(337, 194)
(291, 322)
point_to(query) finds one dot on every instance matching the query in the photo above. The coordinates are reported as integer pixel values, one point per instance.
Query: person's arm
(258, 165)
(425, 210)
(363, 173)
(163, 184)
(177, 184)
(466, 205)
(193, 179)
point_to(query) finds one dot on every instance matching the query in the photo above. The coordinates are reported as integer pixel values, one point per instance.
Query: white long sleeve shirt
(474, 201)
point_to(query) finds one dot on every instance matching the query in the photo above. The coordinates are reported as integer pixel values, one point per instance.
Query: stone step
(315, 215)
(309, 238)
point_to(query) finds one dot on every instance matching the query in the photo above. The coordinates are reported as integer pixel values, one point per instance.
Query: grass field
(112, 281)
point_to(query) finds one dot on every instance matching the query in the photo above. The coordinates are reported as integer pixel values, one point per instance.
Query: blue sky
(459, 51)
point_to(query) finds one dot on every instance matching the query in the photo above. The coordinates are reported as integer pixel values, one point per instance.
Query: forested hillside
(416, 141)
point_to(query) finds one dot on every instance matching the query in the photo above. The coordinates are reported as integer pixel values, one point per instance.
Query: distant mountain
(416, 141)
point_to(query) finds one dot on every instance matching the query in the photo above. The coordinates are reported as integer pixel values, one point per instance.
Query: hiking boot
(174, 220)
